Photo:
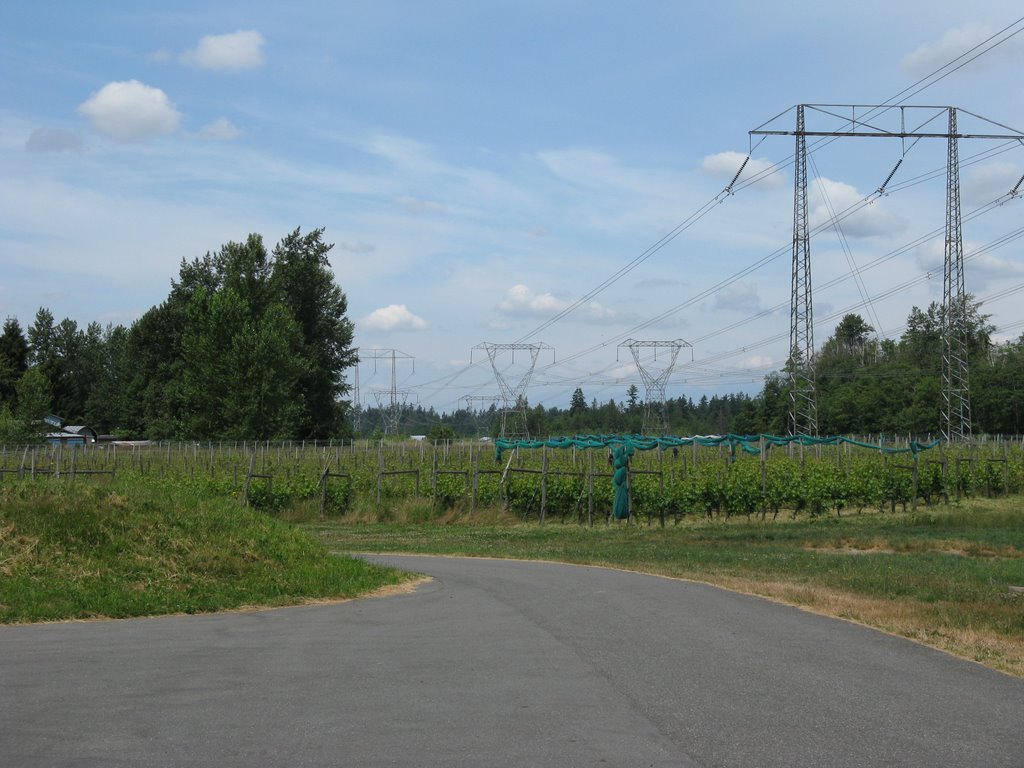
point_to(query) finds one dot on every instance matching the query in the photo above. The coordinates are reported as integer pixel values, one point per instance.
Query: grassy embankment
(941, 576)
(77, 550)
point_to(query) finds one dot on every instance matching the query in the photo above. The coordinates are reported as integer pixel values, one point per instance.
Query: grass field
(142, 546)
(74, 550)
(941, 576)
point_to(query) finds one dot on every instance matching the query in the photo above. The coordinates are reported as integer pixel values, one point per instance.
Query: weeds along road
(500, 663)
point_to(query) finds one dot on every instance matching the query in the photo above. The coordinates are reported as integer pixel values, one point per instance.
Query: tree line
(249, 344)
(254, 343)
(864, 385)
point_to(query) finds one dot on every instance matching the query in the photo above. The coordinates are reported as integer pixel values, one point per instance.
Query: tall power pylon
(655, 379)
(392, 401)
(803, 404)
(956, 412)
(956, 402)
(513, 390)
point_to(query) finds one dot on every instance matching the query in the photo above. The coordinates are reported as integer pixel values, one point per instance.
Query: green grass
(75, 550)
(940, 575)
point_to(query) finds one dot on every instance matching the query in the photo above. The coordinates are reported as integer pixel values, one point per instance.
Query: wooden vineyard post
(323, 492)
(476, 480)
(433, 474)
(914, 486)
(543, 482)
(661, 484)
(590, 488)
(764, 476)
(380, 469)
(248, 479)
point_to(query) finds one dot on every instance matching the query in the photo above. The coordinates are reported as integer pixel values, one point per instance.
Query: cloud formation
(871, 221)
(233, 52)
(738, 297)
(53, 140)
(418, 205)
(957, 42)
(393, 317)
(220, 129)
(724, 165)
(129, 111)
(521, 301)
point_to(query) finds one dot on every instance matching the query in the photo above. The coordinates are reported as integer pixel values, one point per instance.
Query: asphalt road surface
(498, 663)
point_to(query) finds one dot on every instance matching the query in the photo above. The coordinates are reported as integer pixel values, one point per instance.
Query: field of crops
(543, 483)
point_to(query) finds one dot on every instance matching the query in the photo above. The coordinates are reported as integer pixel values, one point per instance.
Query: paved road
(500, 664)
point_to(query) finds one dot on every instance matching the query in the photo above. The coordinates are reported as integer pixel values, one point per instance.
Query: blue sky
(480, 166)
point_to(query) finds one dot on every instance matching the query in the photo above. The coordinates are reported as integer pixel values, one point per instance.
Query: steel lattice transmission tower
(655, 380)
(392, 401)
(866, 120)
(956, 404)
(357, 402)
(472, 402)
(803, 405)
(513, 392)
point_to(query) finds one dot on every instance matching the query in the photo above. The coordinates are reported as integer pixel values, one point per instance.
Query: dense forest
(255, 344)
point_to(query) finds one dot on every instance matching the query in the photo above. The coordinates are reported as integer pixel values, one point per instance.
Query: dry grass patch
(919, 622)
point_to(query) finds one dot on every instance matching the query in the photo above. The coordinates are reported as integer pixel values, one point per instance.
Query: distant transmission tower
(513, 392)
(956, 410)
(484, 402)
(392, 401)
(357, 402)
(655, 379)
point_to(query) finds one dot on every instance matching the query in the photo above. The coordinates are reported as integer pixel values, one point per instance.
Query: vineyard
(567, 480)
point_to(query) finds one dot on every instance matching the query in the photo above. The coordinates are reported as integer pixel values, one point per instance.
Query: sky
(481, 167)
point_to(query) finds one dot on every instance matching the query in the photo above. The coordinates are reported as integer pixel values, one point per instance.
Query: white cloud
(392, 318)
(870, 221)
(232, 52)
(130, 110)
(522, 301)
(592, 169)
(738, 297)
(418, 206)
(984, 183)
(220, 129)
(956, 42)
(53, 140)
(724, 165)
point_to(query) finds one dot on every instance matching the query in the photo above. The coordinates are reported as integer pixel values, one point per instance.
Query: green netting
(747, 443)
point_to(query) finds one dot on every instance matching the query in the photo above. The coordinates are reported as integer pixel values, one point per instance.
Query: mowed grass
(82, 549)
(941, 575)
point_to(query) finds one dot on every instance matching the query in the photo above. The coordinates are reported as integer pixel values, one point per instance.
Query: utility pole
(513, 392)
(866, 120)
(655, 380)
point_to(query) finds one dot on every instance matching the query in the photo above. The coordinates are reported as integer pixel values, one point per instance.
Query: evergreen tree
(303, 281)
(14, 354)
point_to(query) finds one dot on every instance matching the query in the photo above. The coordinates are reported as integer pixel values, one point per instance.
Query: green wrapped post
(620, 458)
